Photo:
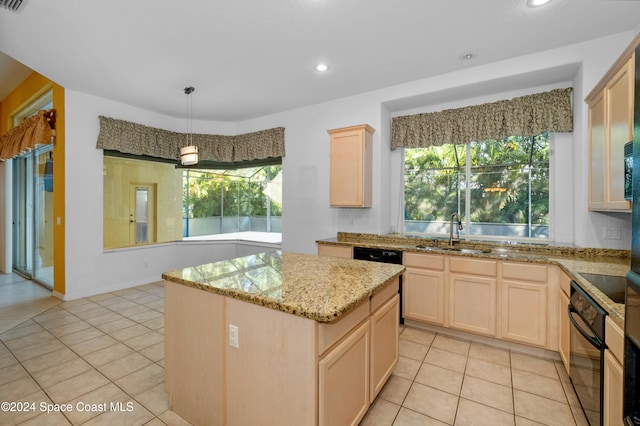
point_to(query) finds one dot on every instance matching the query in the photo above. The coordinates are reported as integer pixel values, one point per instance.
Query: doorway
(33, 215)
(142, 213)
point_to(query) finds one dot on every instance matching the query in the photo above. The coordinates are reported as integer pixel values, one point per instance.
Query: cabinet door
(565, 331)
(423, 295)
(351, 163)
(597, 157)
(384, 329)
(344, 380)
(472, 304)
(619, 113)
(613, 389)
(524, 312)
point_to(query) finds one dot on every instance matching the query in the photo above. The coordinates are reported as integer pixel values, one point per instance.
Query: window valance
(132, 138)
(522, 116)
(33, 131)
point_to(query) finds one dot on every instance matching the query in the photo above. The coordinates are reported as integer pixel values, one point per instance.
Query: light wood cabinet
(564, 323)
(613, 391)
(343, 376)
(613, 374)
(564, 344)
(423, 288)
(610, 127)
(472, 295)
(508, 300)
(524, 303)
(472, 304)
(335, 251)
(312, 372)
(351, 166)
(384, 328)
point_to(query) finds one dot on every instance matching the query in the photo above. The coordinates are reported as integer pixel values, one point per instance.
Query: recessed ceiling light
(536, 3)
(467, 56)
(322, 67)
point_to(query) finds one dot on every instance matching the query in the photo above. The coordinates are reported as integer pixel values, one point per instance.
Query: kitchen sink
(456, 249)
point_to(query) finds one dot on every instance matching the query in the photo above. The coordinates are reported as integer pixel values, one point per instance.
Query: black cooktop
(611, 285)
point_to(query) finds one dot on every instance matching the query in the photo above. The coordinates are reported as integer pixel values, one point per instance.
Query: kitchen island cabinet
(279, 338)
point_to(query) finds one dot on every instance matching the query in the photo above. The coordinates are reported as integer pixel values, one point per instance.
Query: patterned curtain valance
(523, 116)
(34, 130)
(132, 138)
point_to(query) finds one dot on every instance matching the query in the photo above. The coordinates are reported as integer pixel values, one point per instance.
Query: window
(499, 187)
(149, 202)
(226, 201)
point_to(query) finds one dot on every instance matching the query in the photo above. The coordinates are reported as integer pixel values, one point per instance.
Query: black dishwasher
(384, 256)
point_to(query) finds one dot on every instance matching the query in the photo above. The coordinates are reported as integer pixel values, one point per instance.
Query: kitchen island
(280, 338)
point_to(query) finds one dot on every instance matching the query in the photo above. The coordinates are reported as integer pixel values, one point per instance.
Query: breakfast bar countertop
(319, 288)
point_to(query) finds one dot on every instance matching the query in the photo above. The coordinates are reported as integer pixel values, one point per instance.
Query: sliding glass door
(33, 215)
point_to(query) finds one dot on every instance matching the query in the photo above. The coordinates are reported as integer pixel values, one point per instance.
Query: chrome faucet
(458, 229)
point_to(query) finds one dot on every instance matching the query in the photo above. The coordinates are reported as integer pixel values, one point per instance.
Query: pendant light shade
(189, 153)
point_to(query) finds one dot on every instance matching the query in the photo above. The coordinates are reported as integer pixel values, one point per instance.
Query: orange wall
(28, 91)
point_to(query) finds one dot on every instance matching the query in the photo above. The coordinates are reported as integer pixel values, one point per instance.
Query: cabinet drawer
(335, 251)
(525, 271)
(330, 332)
(428, 261)
(381, 297)
(473, 266)
(614, 339)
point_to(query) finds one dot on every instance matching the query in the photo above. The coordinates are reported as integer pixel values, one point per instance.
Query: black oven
(631, 404)
(384, 256)
(587, 352)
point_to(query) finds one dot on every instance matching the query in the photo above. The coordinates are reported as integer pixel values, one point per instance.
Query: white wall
(89, 269)
(307, 215)
(306, 212)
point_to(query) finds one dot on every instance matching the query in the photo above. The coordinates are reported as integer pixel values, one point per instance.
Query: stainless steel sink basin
(456, 249)
(466, 250)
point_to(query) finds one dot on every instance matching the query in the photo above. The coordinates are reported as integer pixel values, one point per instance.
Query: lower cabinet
(343, 375)
(473, 295)
(613, 374)
(423, 288)
(524, 312)
(472, 303)
(357, 356)
(384, 328)
(289, 370)
(564, 344)
(613, 389)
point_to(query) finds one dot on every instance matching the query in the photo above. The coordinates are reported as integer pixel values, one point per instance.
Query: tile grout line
(82, 357)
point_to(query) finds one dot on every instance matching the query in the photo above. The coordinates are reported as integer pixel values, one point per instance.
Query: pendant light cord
(188, 91)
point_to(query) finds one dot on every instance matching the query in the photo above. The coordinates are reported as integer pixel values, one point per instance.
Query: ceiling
(253, 58)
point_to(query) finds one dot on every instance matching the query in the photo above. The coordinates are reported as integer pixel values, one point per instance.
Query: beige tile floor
(442, 380)
(109, 349)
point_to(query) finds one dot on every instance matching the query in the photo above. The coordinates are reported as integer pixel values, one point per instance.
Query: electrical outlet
(612, 233)
(234, 336)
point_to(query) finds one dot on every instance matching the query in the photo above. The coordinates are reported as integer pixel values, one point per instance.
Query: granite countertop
(318, 288)
(572, 260)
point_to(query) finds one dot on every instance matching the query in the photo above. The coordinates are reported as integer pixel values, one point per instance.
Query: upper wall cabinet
(351, 163)
(610, 127)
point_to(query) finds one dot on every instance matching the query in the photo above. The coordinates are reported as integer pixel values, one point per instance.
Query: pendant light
(189, 153)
